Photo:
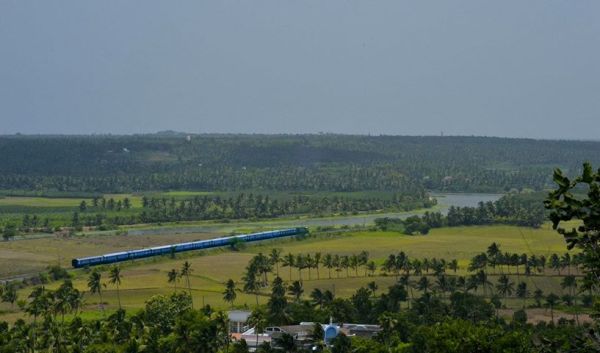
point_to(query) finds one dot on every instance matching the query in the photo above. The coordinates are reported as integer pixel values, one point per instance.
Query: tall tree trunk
(119, 296)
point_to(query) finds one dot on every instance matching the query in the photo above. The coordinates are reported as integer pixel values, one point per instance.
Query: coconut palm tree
(186, 270)
(318, 298)
(95, 286)
(483, 281)
(522, 292)
(295, 289)
(229, 294)
(453, 265)
(38, 305)
(363, 260)
(328, 263)
(251, 284)
(308, 263)
(555, 263)
(371, 267)
(289, 261)
(300, 265)
(258, 320)
(173, 276)
(354, 262)
(423, 284)
(345, 263)
(275, 258)
(406, 283)
(551, 301)
(569, 282)
(538, 295)
(317, 263)
(505, 287)
(115, 278)
(372, 286)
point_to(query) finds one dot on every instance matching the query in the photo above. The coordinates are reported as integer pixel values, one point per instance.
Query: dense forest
(167, 161)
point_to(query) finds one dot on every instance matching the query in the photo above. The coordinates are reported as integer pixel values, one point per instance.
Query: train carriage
(180, 247)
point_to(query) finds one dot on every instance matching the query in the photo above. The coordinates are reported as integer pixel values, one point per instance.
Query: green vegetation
(509, 209)
(491, 278)
(117, 164)
(147, 277)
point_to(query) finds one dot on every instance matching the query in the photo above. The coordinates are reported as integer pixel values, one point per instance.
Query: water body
(445, 200)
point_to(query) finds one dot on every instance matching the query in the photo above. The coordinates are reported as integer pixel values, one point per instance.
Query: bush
(57, 273)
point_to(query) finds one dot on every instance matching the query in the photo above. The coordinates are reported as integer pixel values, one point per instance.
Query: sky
(491, 68)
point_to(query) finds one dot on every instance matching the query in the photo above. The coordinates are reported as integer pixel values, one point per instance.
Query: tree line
(509, 209)
(105, 213)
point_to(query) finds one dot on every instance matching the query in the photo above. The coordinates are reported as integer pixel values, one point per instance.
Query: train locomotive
(175, 248)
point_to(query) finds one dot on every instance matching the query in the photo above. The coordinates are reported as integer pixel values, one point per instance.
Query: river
(445, 200)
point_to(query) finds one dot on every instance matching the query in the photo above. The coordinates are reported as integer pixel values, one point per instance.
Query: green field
(211, 269)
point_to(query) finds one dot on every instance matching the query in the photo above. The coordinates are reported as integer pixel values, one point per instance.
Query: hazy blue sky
(502, 68)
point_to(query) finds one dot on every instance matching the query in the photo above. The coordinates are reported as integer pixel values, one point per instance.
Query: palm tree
(336, 264)
(328, 296)
(363, 260)
(328, 263)
(551, 301)
(115, 278)
(388, 323)
(289, 261)
(345, 264)
(555, 263)
(483, 281)
(371, 267)
(372, 287)
(471, 283)
(389, 264)
(63, 299)
(37, 306)
(317, 297)
(300, 265)
(461, 282)
(522, 292)
(76, 300)
(229, 294)
(317, 263)
(275, 257)
(258, 320)
(295, 289)
(424, 284)
(453, 265)
(569, 282)
(308, 263)
(493, 251)
(505, 287)
(251, 284)
(538, 295)
(173, 276)
(406, 283)
(95, 286)
(353, 262)
(186, 270)
(565, 261)
(441, 283)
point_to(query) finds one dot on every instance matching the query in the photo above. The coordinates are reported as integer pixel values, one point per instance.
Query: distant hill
(172, 160)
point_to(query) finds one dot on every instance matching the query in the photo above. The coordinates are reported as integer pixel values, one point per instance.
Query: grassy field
(211, 269)
(32, 256)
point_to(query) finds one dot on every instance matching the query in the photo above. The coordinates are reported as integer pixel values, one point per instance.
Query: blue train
(195, 245)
